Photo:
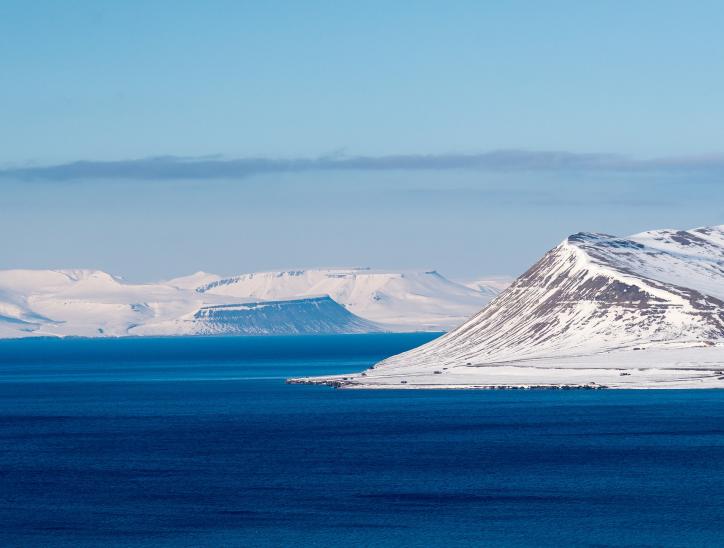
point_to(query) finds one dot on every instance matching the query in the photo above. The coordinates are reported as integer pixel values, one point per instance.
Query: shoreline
(349, 385)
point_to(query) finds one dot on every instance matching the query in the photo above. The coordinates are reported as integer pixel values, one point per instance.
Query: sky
(155, 139)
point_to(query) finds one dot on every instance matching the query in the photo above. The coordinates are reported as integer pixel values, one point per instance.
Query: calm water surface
(188, 442)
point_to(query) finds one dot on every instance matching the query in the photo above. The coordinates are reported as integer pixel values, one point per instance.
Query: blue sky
(362, 84)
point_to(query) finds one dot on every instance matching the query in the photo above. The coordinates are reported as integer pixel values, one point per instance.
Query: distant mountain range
(401, 301)
(597, 310)
(91, 303)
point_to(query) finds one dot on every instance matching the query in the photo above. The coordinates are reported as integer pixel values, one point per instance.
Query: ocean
(199, 442)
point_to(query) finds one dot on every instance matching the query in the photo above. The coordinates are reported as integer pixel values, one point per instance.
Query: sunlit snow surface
(92, 303)
(596, 311)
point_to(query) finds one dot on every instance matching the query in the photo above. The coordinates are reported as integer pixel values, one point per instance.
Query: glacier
(596, 311)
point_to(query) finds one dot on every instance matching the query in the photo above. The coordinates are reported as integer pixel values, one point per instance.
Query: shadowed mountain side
(312, 316)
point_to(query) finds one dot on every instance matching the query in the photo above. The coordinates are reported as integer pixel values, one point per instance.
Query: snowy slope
(88, 302)
(491, 287)
(654, 300)
(193, 281)
(424, 301)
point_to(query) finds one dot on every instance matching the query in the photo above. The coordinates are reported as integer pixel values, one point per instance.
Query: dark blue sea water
(198, 442)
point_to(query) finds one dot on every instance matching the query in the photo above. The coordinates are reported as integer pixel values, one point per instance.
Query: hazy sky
(292, 134)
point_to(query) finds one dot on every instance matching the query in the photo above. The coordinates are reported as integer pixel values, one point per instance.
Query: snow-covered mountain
(92, 303)
(597, 308)
(401, 301)
(192, 281)
(85, 303)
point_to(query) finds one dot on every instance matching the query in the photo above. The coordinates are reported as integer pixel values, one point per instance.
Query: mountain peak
(587, 237)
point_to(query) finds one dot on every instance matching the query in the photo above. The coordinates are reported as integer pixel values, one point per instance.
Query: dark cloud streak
(175, 167)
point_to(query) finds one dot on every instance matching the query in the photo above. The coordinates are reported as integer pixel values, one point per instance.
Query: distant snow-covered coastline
(597, 311)
(93, 303)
